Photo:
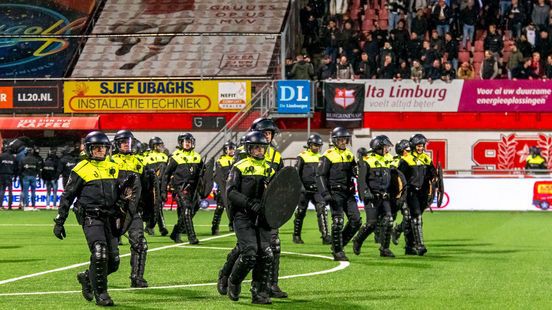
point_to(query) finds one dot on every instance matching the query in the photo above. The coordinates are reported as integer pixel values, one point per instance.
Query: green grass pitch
(476, 260)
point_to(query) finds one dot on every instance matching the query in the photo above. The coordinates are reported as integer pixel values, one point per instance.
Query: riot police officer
(401, 149)
(68, 160)
(419, 172)
(50, 177)
(184, 167)
(29, 171)
(129, 164)
(307, 163)
(335, 183)
(274, 159)
(535, 161)
(93, 182)
(222, 168)
(376, 196)
(246, 183)
(7, 173)
(155, 161)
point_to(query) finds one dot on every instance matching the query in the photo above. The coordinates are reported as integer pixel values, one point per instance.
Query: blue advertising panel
(294, 97)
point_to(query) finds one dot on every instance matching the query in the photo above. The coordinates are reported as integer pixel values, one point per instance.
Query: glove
(254, 205)
(59, 231)
(368, 196)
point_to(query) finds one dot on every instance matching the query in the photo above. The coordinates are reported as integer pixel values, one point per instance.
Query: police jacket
(535, 162)
(274, 158)
(222, 167)
(130, 164)
(247, 180)
(335, 171)
(184, 167)
(7, 163)
(94, 185)
(240, 154)
(30, 165)
(307, 163)
(157, 162)
(418, 169)
(50, 168)
(66, 163)
(378, 172)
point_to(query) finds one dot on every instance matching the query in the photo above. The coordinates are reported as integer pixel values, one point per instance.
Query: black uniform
(50, 177)
(155, 163)
(307, 163)
(66, 163)
(376, 202)
(29, 170)
(335, 183)
(183, 172)
(419, 171)
(222, 169)
(246, 183)
(130, 164)
(7, 174)
(94, 185)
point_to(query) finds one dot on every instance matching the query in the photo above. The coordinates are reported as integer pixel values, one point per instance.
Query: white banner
(408, 96)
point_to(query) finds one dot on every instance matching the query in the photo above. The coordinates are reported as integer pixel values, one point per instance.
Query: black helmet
(242, 140)
(186, 136)
(228, 145)
(361, 152)
(255, 138)
(340, 132)
(401, 146)
(263, 124)
(138, 147)
(122, 136)
(154, 141)
(417, 139)
(533, 150)
(315, 139)
(379, 142)
(93, 139)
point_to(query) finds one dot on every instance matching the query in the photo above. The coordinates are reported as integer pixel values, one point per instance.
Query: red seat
(384, 23)
(479, 46)
(463, 56)
(478, 57)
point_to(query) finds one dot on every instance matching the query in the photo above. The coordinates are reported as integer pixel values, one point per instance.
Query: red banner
(53, 123)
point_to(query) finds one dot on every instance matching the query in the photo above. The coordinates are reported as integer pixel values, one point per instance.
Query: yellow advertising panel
(155, 96)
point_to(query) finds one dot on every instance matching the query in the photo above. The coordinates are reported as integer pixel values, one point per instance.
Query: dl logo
(294, 97)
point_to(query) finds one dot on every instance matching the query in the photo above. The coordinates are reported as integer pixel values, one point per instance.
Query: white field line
(52, 225)
(341, 266)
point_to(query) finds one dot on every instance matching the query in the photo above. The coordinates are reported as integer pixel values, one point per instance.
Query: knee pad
(337, 222)
(248, 260)
(99, 251)
(275, 245)
(144, 244)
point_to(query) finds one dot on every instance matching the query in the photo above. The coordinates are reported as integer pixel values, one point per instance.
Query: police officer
(419, 172)
(335, 183)
(377, 196)
(29, 170)
(7, 174)
(240, 152)
(535, 161)
(156, 161)
(129, 164)
(93, 182)
(307, 163)
(274, 159)
(184, 167)
(68, 160)
(401, 149)
(222, 168)
(50, 177)
(247, 181)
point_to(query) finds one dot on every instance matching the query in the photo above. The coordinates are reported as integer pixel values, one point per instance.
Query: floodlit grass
(475, 260)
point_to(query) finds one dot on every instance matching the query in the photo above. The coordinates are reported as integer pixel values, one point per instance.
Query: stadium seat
(478, 57)
(479, 46)
(384, 23)
(463, 56)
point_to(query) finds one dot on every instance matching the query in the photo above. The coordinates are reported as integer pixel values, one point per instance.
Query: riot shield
(281, 197)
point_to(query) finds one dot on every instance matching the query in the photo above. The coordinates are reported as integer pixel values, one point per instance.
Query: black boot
(385, 237)
(222, 283)
(386, 253)
(138, 265)
(322, 218)
(298, 226)
(396, 233)
(240, 270)
(234, 290)
(349, 231)
(189, 224)
(163, 231)
(363, 233)
(175, 234)
(337, 242)
(104, 300)
(98, 275)
(275, 290)
(259, 295)
(418, 235)
(340, 257)
(84, 281)
(149, 231)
